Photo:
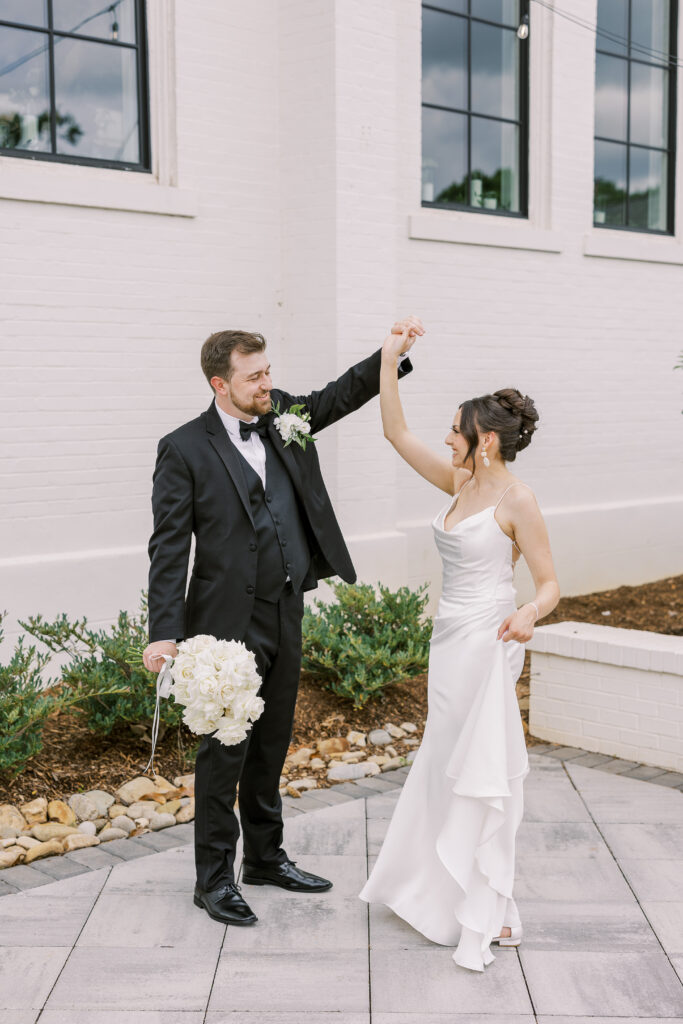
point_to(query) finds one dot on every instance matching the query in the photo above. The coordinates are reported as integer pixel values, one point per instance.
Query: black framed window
(73, 82)
(475, 106)
(635, 115)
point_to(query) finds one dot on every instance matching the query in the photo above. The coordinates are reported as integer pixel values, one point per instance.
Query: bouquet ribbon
(164, 680)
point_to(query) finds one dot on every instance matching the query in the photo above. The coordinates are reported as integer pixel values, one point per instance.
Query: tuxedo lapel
(230, 457)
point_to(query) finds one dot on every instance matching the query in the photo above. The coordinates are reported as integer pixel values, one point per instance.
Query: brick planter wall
(613, 691)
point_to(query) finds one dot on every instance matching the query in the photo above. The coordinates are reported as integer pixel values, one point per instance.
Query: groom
(265, 532)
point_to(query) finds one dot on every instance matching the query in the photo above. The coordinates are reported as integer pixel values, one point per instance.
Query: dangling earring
(484, 457)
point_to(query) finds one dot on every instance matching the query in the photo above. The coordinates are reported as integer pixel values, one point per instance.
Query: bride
(447, 862)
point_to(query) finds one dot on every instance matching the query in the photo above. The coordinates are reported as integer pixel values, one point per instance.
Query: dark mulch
(74, 759)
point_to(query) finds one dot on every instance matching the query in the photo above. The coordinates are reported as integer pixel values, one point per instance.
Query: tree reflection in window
(73, 81)
(474, 105)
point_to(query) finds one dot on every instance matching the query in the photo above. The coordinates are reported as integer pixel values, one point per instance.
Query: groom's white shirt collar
(232, 423)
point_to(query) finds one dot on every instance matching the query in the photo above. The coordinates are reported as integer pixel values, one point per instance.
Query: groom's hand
(403, 336)
(153, 654)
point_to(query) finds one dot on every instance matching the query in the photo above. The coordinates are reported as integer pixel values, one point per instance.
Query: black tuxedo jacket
(199, 487)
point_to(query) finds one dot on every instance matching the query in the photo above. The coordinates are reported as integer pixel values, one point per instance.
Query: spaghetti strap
(518, 483)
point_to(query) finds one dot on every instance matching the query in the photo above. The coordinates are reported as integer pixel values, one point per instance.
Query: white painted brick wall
(613, 691)
(297, 136)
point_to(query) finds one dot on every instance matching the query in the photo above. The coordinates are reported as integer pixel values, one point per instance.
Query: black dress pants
(274, 636)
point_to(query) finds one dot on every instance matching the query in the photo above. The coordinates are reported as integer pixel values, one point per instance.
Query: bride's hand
(402, 338)
(519, 626)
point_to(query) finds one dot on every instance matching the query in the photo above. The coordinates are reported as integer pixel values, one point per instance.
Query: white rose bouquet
(293, 425)
(217, 683)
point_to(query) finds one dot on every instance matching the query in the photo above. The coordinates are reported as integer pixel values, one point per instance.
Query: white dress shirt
(252, 449)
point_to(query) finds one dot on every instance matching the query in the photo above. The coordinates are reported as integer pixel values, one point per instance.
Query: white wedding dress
(447, 863)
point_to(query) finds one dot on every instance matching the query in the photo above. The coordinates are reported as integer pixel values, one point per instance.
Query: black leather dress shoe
(225, 905)
(286, 875)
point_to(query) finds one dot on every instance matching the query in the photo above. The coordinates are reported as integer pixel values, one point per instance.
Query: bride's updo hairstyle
(509, 413)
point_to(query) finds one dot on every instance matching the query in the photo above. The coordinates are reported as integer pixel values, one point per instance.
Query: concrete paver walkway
(599, 887)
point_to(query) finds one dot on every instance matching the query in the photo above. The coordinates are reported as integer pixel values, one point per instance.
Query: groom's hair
(218, 348)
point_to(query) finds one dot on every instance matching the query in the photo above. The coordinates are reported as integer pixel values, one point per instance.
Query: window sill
(471, 229)
(622, 245)
(69, 185)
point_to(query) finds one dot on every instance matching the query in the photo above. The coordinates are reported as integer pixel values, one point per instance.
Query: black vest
(282, 544)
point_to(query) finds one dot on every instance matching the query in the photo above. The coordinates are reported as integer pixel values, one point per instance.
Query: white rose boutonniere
(293, 425)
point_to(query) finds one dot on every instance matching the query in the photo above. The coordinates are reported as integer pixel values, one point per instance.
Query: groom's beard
(258, 406)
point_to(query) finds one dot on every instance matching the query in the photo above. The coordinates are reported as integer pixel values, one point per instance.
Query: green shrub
(360, 643)
(106, 660)
(26, 700)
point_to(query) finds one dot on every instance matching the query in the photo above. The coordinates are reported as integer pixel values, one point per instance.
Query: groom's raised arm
(349, 392)
(169, 545)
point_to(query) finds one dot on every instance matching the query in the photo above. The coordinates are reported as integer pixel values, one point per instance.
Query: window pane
(649, 105)
(648, 189)
(495, 165)
(611, 96)
(610, 183)
(95, 18)
(459, 6)
(495, 75)
(504, 11)
(444, 59)
(28, 12)
(96, 99)
(650, 29)
(612, 21)
(444, 156)
(24, 90)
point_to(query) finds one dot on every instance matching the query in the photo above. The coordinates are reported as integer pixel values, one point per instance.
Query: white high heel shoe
(513, 939)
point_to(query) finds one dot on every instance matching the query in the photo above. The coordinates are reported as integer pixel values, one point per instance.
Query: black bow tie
(259, 426)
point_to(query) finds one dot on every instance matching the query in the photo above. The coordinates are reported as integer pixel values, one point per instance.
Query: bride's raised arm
(416, 453)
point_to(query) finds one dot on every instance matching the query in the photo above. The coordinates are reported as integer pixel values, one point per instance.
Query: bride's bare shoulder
(521, 499)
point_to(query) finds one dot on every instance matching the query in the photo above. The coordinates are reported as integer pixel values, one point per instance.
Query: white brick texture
(613, 691)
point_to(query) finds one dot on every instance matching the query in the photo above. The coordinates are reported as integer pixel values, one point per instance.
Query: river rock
(141, 809)
(340, 772)
(171, 807)
(131, 791)
(390, 751)
(117, 809)
(185, 813)
(316, 763)
(8, 858)
(87, 828)
(52, 830)
(35, 811)
(356, 739)
(351, 756)
(409, 726)
(122, 821)
(410, 756)
(393, 762)
(161, 784)
(79, 842)
(333, 745)
(84, 808)
(184, 780)
(99, 823)
(159, 821)
(408, 742)
(48, 849)
(291, 791)
(26, 841)
(379, 759)
(8, 832)
(394, 730)
(301, 756)
(9, 841)
(307, 783)
(12, 817)
(379, 737)
(141, 823)
(57, 810)
(102, 801)
(109, 833)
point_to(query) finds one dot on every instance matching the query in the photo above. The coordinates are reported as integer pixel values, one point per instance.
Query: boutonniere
(293, 425)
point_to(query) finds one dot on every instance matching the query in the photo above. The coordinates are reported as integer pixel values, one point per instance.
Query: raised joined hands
(403, 336)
